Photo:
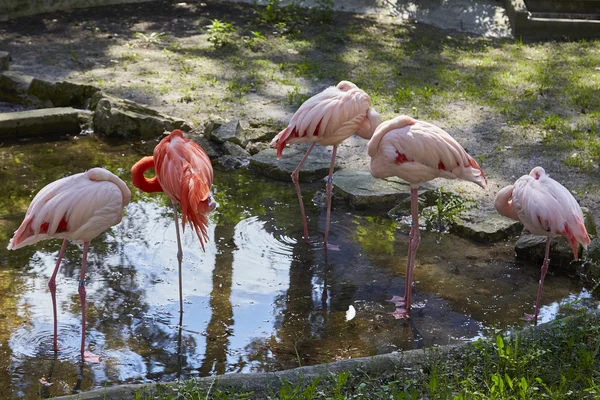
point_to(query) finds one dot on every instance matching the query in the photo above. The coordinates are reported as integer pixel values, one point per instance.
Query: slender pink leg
(329, 190)
(86, 246)
(529, 317)
(179, 255)
(295, 180)
(403, 304)
(52, 286)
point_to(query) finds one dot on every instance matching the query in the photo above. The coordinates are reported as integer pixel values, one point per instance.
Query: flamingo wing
(418, 151)
(76, 208)
(334, 114)
(547, 208)
(185, 173)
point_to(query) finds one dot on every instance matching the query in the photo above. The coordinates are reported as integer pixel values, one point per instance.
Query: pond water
(258, 299)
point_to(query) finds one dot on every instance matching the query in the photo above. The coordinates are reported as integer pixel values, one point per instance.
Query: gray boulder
(316, 166)
(230, 132)
(208, 146)
(235, 150)
(124, 118)
(360, 190)
(213, 122)
(257, 147)
(231, 163)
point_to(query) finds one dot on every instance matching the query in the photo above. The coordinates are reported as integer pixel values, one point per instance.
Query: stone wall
(18, 8)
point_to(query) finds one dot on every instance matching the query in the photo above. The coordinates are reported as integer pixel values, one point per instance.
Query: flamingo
(328, 118)
(79, 208)
(417, 152)
(184, 172)
(545, 208)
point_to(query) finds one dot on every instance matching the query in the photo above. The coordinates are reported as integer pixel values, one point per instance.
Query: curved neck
(140, 181)
(503, 203)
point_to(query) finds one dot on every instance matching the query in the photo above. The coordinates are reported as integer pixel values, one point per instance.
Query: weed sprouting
(220, 33)
(447, 208)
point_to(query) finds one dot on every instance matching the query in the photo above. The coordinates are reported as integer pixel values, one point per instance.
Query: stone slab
(62, 94)
(360, 190)
(316, 166)
(47, 121)
(14, 86)
(484, 225)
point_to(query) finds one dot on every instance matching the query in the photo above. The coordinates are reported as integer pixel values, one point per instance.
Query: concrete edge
(273, 381)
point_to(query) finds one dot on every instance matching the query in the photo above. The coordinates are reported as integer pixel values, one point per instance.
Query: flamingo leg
(179, 256)
(329, 190)
(52, 286)
(529, 317)
(82, 294)
(295, 180)
(403, 303)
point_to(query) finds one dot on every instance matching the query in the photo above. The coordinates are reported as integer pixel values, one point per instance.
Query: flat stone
(235, 150)
(62, 94)
(484, 225)
(533, 247)
(124, 118)
(230, 132)
(316, 166)
(4, 60)
(46, 121)
(360, 190)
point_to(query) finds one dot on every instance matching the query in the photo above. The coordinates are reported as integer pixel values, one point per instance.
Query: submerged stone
(361, 190)
(119, 117)
(316, 166)
(533, 247)
(484, 225)
(231, 163)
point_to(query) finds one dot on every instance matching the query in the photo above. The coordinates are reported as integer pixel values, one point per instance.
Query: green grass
(558, 362)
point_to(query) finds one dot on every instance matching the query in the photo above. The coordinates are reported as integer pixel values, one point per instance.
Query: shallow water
(258, 299)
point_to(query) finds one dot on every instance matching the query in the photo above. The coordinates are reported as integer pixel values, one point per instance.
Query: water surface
(258, 299)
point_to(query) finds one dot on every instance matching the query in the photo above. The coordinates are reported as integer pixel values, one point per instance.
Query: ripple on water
(36, 342)
(253, 238)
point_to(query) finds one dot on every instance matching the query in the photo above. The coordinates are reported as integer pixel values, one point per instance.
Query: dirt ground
(158, 54)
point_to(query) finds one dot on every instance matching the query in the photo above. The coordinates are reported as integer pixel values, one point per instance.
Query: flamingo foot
(529, 318)
(332, 247)
(88, 356)
(398, 301)
(401, 313)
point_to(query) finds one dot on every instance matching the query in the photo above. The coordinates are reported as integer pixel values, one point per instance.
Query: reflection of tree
(220, 325)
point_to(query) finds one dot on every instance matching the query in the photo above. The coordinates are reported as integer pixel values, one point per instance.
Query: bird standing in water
(184, 172)
(545, 208)
(78, 208)
(328, 118)
(418, 152)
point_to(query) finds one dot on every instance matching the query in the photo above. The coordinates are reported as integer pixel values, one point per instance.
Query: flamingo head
(346, 86)
(537, 173)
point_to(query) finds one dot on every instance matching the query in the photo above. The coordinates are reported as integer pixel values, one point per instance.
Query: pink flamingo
(545, 208)
(328, 118)
(78, 208)
(417, 152)
(184, 172)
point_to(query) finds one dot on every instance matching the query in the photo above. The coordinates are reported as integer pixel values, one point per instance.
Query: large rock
(232, 131)
(360, 190)
(46, 121)
(206, 145)
(119, 117)
(235, 150)
(261, 134)
(533, 247)
(316, 166)
(62, 94)
(213, 122)
(14, 88)
(484, 225)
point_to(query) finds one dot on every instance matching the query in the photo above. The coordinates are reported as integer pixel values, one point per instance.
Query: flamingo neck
(140, 181)
(503, 203)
